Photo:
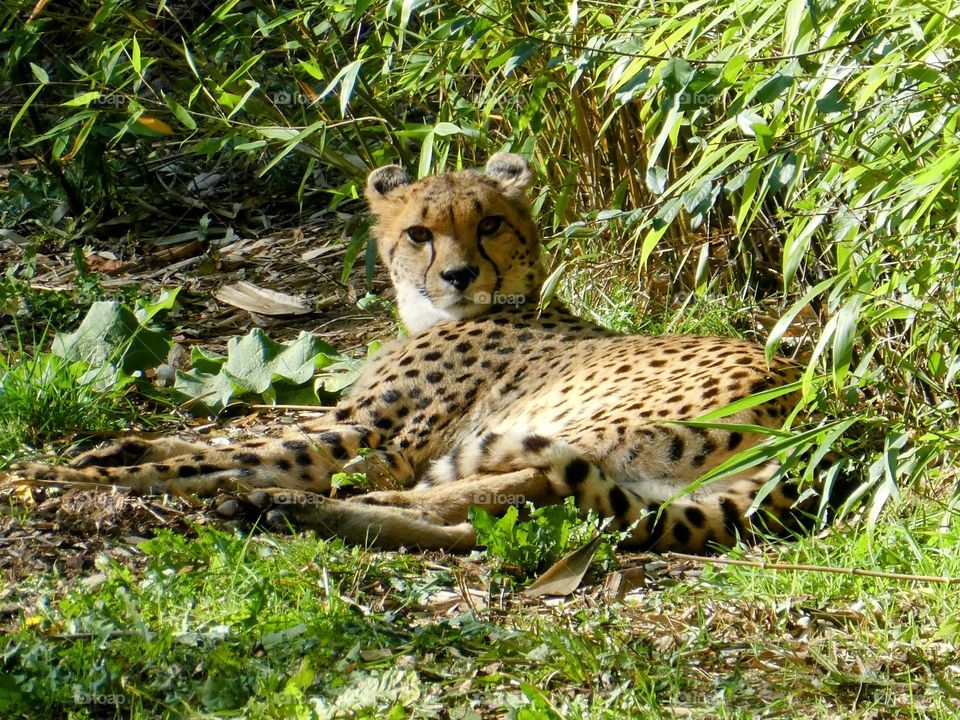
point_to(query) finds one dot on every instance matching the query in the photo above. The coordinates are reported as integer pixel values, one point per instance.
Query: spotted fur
(490, 401)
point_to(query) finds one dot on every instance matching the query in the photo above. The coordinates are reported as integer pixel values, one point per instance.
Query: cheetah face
(457, 245)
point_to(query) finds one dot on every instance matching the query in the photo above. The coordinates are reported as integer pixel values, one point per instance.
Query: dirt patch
(60, 533)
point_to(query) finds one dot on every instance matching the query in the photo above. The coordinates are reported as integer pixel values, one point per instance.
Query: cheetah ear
(384, 180)
(513, 171)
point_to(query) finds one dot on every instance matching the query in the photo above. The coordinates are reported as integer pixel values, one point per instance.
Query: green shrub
(779, 150)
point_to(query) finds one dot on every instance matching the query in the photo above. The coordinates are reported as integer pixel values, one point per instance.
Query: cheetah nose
(460, 277)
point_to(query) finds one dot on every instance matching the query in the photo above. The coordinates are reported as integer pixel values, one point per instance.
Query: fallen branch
(778, 567)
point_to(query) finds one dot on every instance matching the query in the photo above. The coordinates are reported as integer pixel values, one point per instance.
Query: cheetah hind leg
(450, 501)
(382, 526)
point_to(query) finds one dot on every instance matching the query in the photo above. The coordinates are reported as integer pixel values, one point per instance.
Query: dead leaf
(617, 584)
(252, 298)
(565, 575)
(155, 124)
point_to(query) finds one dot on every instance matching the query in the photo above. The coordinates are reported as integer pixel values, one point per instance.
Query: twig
(778, 567)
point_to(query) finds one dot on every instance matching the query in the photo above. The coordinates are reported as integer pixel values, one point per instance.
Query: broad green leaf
(656, 179)
(255, 361)
(146, 310)
(181, 113)
(110, 331)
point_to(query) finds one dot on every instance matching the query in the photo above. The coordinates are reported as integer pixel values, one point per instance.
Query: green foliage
(549, 533)
(301, 372)
(698, 148)
(115, 341)
(44, 396)
(280, 627)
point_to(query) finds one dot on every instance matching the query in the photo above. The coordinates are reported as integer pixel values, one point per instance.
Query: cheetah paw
(276, 509)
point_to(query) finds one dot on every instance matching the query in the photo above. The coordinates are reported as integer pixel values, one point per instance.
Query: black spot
(160, 467)
(390, 396)
(618, 501)
(681, 533)
(758, 386)
(186, 471)
(384, 423)
(432, 356)
(434, 377)
(487, 440)
(338, 451)
(405, 361)
(284, 464)
(676, 448)
(735, 439)
(535, 443)
(103, 472)
(342, 414)
(197, 457)
(789, 491)
(300, 444)
(412, 373)
(576, 472)
(698, 460)
(208, 469)
(248, 458)
(695, 516)
(304, 459)
(732, 520)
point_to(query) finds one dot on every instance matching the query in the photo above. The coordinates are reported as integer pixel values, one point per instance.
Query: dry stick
(763, 565)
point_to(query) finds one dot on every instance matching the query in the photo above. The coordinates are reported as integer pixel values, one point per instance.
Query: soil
(59, 533)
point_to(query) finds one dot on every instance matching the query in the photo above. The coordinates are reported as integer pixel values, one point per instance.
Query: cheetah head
(458, 244)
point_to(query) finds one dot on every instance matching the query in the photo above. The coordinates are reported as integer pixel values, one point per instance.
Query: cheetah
(491, 400)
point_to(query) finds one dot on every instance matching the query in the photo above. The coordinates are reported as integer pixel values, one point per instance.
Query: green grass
(43, 397)
(277, 627)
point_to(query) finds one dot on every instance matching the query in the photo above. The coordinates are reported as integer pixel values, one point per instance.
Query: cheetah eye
(419, 234)
(489, 225)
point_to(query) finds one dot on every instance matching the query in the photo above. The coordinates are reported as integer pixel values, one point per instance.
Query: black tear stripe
(426, 271)
(496, 270)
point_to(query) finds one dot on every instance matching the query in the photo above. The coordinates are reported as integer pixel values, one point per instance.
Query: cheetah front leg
(172, 465)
